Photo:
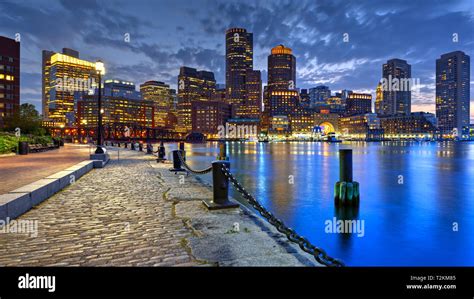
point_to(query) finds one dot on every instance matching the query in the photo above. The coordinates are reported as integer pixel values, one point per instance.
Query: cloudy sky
(165, 35)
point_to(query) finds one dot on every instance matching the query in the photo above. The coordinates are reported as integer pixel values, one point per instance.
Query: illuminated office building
(358, 103)
(118, 112)
(193, 85)
(361, 126)
(252, 104)
(160, 94)
(415, 125)
(396, 88)
(452, 94)
(207, 116)
(63, 75)
(120, 88)
(9, 78)
(281, 69)
(239, 61)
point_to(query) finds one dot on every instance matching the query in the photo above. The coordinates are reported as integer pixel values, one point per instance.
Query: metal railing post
(220, 187)
(161, 153)
(177, 163)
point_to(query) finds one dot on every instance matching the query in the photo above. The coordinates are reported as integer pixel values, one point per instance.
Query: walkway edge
(19, 201)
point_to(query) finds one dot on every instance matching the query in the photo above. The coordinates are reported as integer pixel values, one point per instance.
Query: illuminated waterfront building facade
(9, 78)
(63, 75)
(363, 126)
(415, 125)
(452, 94)
(239, 61)
(302, 121)
(160, 94)
(207, 116)
(117, 112)
(193, 85)
(396, 74)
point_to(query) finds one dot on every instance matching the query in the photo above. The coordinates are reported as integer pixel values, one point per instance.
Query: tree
(27, 118)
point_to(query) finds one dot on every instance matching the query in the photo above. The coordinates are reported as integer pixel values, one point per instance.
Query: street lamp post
(99, 66)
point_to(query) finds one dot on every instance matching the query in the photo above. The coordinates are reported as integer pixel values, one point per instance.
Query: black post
(345, 165)
(161, 153)
(99, 149)
(181, 148)
(346, 191)
(220, 186)
(140, 147)
(177, 162)
(23, 148)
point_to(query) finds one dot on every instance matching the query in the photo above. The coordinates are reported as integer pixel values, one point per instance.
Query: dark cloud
(192, 33)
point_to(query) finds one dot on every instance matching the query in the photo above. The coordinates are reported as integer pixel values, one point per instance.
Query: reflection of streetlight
(100, 69)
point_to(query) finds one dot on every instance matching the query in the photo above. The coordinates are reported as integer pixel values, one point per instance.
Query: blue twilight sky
(165, 35)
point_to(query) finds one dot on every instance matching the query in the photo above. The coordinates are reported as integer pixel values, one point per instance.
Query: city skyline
(316, 43)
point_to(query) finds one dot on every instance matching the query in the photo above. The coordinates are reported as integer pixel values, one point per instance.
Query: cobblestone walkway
(115, 216)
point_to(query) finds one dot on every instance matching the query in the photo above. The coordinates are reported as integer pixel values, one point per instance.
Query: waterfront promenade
(20, 170)
(134, 212)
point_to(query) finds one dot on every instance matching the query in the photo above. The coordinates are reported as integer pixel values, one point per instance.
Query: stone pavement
(17, 171)
(134, 212)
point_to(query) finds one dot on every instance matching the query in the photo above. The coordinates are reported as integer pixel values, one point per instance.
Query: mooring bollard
(220, 186)
(125, 145)
(177, 163)
(132, 146)
(346, 191)
(140, 147)
(222, 152)
(161, 153)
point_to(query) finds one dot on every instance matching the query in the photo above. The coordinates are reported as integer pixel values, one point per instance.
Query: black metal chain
(319, 254)
(203, 171)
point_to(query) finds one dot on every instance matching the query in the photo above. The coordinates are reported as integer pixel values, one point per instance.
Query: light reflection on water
(405, 224)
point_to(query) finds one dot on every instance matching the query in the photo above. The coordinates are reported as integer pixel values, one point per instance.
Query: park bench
(34, 148)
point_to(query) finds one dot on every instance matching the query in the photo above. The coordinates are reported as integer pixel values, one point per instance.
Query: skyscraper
(281, 69)
(193, 85)
(9, 78)
(452, 94)
(396, 86)
(239, 60)
(63, 74)
(283, 97)
(252, 105)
